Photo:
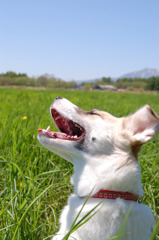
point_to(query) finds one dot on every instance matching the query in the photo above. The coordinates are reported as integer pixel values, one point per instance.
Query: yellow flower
(21, 184)
(24, 118)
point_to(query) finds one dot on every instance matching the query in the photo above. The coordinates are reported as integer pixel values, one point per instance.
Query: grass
(34, 183)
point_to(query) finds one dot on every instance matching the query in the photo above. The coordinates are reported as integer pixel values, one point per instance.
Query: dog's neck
(107, 194)
(119, 174)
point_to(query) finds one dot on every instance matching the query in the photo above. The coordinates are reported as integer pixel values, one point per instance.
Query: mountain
(144, 73)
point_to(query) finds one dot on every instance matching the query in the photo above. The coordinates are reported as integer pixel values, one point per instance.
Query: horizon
(49, 76)
(79, 40)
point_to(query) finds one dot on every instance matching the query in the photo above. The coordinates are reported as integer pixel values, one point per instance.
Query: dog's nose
(58, 98)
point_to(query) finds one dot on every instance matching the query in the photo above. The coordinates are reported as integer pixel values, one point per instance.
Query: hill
(144, 73)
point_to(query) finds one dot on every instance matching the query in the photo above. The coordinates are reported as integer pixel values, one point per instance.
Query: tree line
(21, 79)
(151, 83)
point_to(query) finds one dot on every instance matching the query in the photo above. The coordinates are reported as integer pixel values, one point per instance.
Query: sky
(78, 39)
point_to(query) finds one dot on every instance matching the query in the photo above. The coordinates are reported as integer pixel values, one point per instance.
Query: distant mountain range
(144, 73)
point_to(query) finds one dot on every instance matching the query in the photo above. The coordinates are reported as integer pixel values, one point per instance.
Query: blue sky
(79, 39)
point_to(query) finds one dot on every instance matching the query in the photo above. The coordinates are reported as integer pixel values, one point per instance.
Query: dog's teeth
(58, 117)
(48, 128)
(75, 136)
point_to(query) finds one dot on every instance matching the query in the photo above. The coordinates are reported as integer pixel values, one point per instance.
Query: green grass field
(34, 183)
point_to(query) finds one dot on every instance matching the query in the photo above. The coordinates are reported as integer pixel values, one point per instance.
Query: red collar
(116, 194)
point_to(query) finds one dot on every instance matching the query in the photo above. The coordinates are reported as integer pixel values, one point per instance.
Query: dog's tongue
(39, 130)
(59, 135)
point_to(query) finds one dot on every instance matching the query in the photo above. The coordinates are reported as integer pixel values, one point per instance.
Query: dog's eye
(93, 112)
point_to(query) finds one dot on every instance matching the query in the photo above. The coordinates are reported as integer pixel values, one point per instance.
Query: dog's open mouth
(69, 130)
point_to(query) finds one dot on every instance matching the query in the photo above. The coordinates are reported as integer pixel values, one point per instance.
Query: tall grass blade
(28, 209)
(124, 222)
(83, 220)
(3, 210)
(155, 231)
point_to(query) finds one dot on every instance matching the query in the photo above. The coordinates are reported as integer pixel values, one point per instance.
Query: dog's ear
(142, 125)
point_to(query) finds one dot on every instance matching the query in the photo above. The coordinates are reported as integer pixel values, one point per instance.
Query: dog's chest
(107, 222)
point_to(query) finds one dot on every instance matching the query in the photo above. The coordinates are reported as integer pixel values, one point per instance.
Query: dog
(104, 151)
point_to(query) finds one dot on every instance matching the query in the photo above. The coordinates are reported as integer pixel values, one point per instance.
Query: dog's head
(97, 133)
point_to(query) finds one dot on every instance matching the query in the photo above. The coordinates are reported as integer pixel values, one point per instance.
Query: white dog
(104, 151)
